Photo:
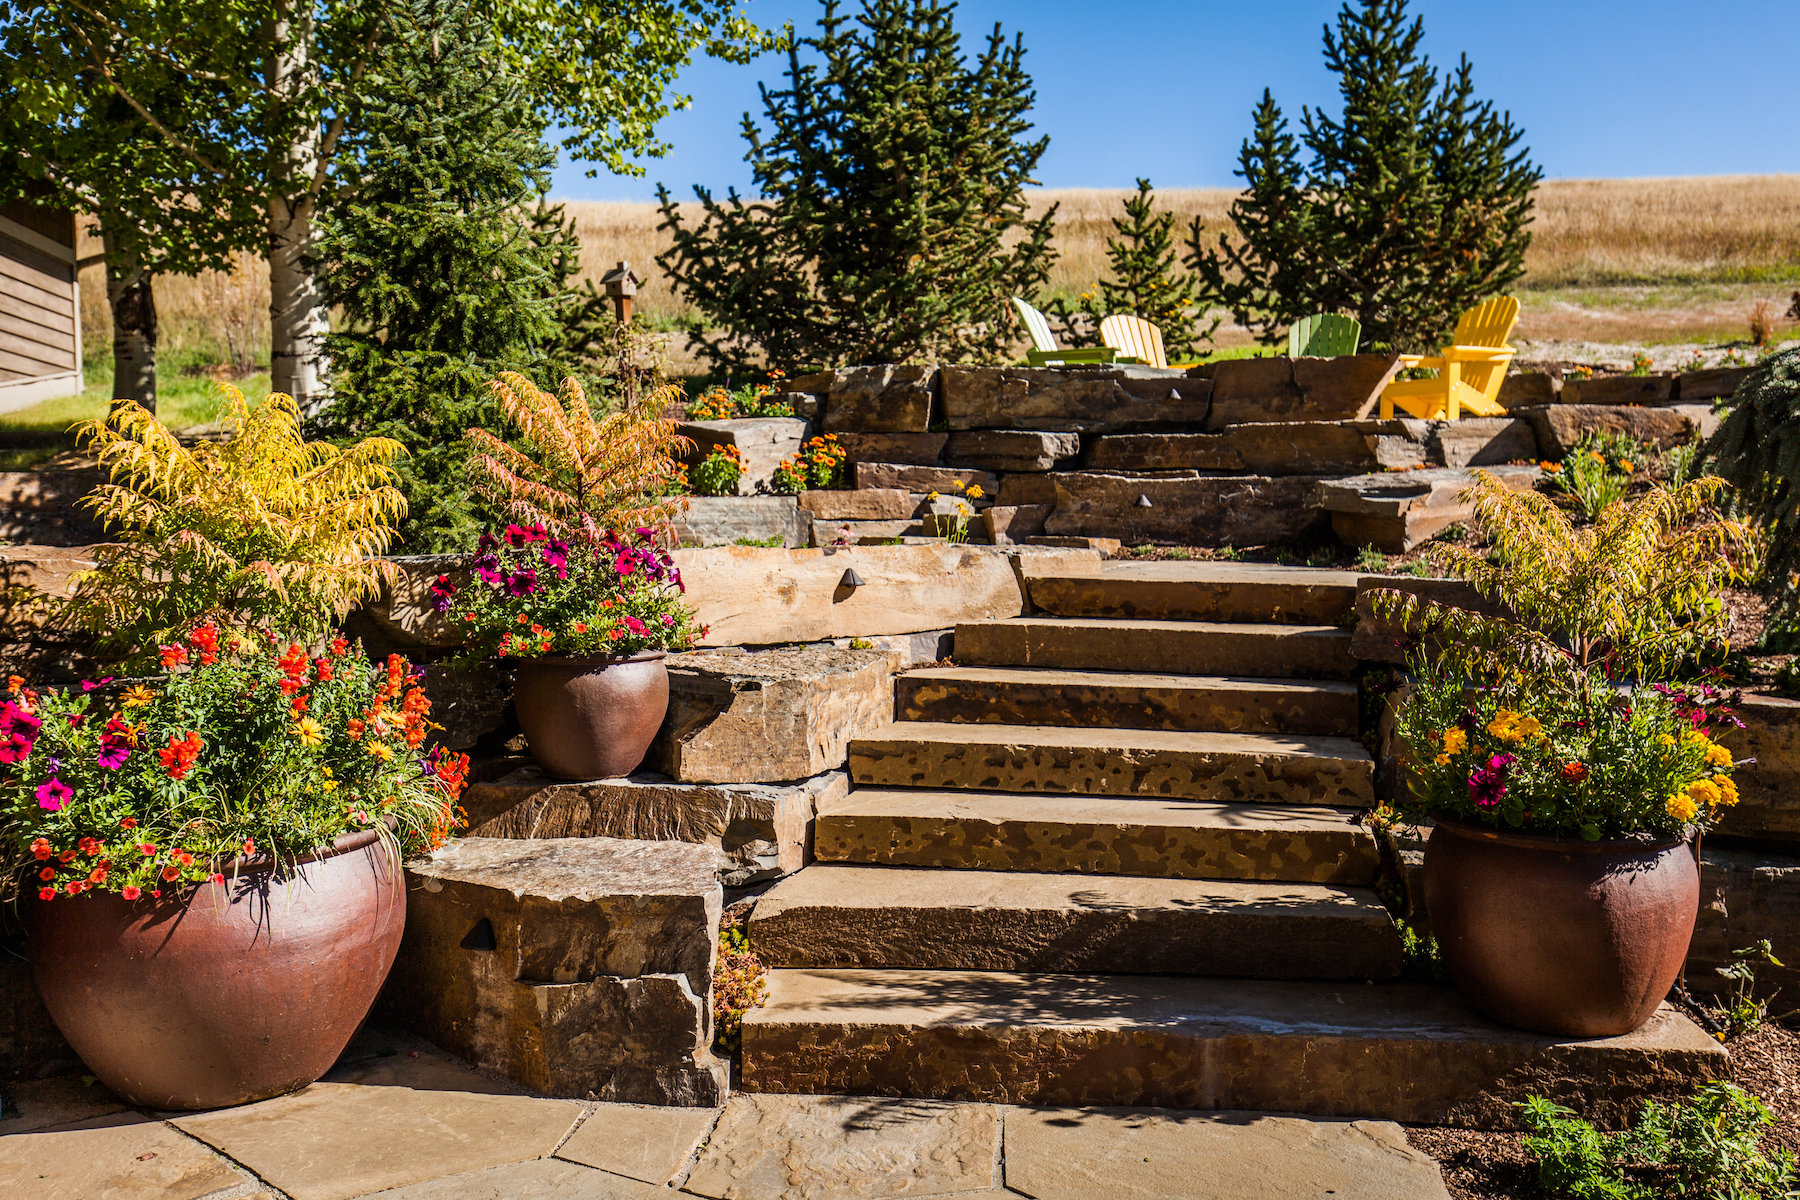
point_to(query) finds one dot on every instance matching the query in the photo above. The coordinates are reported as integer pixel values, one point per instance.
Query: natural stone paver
(1184, 647)
(852, 915)
(541, 1179)
(1098, 835)
(916, 479)
(1197, 591)
(59, 1100)
(641, 1142)
(825, 1148)
(723, 520)
(120, 1157)
(1011, 449)
(1159, 1154)
(1301, 389)
(1393, 513)
(1390, 1051)
(860, 504)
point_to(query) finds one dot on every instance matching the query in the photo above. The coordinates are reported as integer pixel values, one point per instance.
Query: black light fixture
(1143, 501)
(851, 579)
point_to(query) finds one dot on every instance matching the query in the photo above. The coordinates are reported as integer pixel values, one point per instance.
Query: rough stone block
(1081, 399)
(762, 442)
(1620, 389)
(917, 449)
(1330, 448)
(905, 477)
(1381, 639)
(1529, 387)
(1746, 898)
(470, 700)
(860, 504)
(906, 649)
(780, 714)
(1770, 787)
(763, 829)
(1164, 452)
(880, 399)
(1560, 426)
(864, 533)
(1484, 442)
(1243, 510)
(1011, 449)
(1396, 512)
(580, 966)
(1025, 488)
(733, 520)
(1016, 523)
(1714, 383)
(1296, 389)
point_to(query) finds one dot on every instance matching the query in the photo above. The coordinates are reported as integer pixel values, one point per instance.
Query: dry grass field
(1618, 261)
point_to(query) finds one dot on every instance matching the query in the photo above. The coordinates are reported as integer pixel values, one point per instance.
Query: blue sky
(1161, 88)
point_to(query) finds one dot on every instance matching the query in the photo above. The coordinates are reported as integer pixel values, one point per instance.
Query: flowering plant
(820, 464)
(239, 752)
(1600, 765)
(534, 595)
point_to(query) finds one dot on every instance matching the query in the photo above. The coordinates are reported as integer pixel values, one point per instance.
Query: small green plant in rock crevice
(739, 985)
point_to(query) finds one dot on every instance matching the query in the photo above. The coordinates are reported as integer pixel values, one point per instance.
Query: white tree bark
(298, 319)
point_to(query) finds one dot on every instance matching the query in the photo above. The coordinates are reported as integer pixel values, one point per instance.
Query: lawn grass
(184, 397)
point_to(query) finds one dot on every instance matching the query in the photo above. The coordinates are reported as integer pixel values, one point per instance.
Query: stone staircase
(1113, 856)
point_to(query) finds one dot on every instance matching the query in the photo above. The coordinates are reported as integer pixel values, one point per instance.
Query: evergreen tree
(1757, 451)
(1147, 281)
(441, 272)
(1412, 208)
(890, 224)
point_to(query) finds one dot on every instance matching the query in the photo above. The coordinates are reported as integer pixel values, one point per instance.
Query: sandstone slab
(1395, 512)
(1394, 1052)
(1330, 447)
(333, 1141)
(540, 1179)
(639, 1142)
(1182, 647)
(880, 399)
(906, 649)
(1746, 897)
(1521, 388)
(852, 915)
(1011, 449)
(59, 1100)
(839, 533)
(1198, 591)
(1770, 787)
(1620, 389)
(1165, 452)
(762, 830)
(1097, 835)
(826, 1148)
(43, 508)
(772, 597)
(762, 443)
(1122, 700)
(1296, 389)
(1236, 510)
(1379, 638)
(917, 449)
(1713, 383)
(1484, 442)
(1023, 488)
(732, 520)
(1007, 525)
(471, 701)
(120, 1157)
(774, 715)
(903, 477)
(860, 504)
(1085, 399)
(1232, 767)
(1154, 1154)
(1560, 426)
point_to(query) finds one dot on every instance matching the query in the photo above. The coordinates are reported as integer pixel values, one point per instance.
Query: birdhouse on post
(621, 283)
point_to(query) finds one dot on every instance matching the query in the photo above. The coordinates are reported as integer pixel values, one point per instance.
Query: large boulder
(763, 443)
(1067, 399)
(1296, 389)
(1560, 426)
(1192, 510)
(880, 399)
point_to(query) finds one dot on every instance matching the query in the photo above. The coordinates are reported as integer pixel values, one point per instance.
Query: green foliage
(1707, 1147)
(1370, 559)
(739, 985)
(1147, 281)
(772, 542)
(262, 529)
(1741, 1010)
(1412, 206)
(1757, 449)
(245, 748)
(719, 403)
(443, 272)
(888, 223)
(820, 464)
(718, 473)
(1598, 470)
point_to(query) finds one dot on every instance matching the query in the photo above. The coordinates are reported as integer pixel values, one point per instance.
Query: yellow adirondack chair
(1469, 370)
(1134, 338)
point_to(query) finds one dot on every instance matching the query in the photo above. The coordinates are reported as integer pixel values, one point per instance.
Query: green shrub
(739, 985)
(1598, 472)
(718, 473)
(1757, 450)
(820, 464)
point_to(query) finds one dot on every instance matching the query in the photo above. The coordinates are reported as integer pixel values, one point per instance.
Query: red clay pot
(1560, 935)
(591, 718)
(222, 995)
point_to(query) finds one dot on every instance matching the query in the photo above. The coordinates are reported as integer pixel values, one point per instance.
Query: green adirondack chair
(1043, 352)
(1324, 335)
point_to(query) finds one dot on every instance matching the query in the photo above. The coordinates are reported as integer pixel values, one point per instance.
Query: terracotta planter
(1560, 935)
(222, 995)
(591, 718)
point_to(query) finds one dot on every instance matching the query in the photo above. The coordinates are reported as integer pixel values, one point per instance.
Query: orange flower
(581, 627)
(1574, 772)
(338, 646)
(173, 655)
(14, 682)
(130, 892)
(47, 873)
(323, 667)
(128, 823)
(179, 755)
(41, 848)
(171, 873)
(356, 728)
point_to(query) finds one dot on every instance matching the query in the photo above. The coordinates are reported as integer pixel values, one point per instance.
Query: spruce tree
(889, 223)
(1412, 208)
(441, 268)
(1147, 281)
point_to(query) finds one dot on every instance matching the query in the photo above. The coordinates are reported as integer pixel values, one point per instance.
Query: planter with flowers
(588, 624)
(1566, 780)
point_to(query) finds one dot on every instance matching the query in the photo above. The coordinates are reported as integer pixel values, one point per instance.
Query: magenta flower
(441, 592)
(114, 750)
(1488, 784)
(636, 626)
(88, 687)
(522, 583)
(54, 795)
(18, 733)
(518, 536)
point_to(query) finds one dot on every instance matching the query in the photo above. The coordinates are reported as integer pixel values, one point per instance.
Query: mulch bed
(1493, 1166)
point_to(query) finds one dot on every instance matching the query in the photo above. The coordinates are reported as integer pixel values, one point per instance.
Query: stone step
(1243, 767)
(1125, 700)
(1180, 647)
(1096, 835)
(1401, 1052)
(1200, 591)
(849, 915)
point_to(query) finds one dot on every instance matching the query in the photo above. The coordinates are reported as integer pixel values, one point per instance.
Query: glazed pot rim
(593, 661)
(1528, 840)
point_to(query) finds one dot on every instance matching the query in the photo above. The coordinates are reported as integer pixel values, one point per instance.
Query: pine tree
(1413, 207)
(890, 224)
(1147, 281)
(1757, 451)
(443, 271)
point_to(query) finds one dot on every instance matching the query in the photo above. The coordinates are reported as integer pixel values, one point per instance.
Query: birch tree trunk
(133, 303)
(297, 314)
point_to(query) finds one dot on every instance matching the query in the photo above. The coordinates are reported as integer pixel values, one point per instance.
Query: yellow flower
(382, 751)
(1693, 737)
(1705, 791)
(1456, 740)
(1681, 808)
(1627, 467)
(138, 696)
(329, 786)
(931, 495)
(1510, 726)
(975, 492)
(1728, 792)
(308, 731)
(1718, 756)
(1665, 740)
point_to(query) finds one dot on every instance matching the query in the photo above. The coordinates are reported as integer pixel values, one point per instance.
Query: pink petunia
(53, 795)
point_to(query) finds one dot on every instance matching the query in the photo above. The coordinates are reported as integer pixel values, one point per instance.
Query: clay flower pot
(1559, 935)
(591, 718)
(222, 995)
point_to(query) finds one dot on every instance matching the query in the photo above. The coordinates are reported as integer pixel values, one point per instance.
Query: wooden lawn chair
(1469, 370)
(1325, 335)
(1134, 338)
(1044, 351)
